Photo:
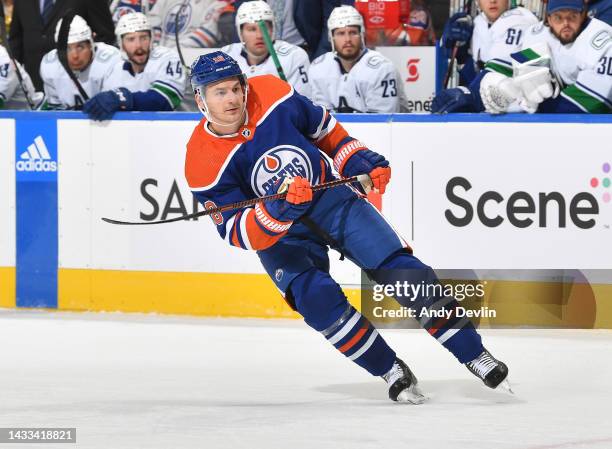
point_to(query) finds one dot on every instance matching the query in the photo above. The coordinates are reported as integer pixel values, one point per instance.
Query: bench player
(145, 79)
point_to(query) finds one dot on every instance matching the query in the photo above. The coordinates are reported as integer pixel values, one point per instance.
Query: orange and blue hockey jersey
(284, 134)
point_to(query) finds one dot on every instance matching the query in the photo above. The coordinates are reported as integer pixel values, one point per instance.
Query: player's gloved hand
(355, 159)
(457, 99)
(537, 85)
(498, 92)
(458, 31)
(103, 105)
(295, 204)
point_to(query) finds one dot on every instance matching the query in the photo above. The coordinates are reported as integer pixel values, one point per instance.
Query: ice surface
(138, 381)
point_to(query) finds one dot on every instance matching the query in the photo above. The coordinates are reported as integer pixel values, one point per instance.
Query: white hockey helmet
(253, 12)
(344, 16)
(130, 23)
(79, 30)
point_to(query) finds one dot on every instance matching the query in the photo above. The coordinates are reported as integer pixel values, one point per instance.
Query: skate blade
(411, 395)
(505, 386)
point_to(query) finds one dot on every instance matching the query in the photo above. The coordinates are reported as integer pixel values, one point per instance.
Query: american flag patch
(219, 58)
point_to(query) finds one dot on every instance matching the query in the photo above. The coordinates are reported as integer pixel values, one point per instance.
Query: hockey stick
(365, 179)
(5, 41)
(62, 50)
(176, 36)
(270, 47)
(467, 8)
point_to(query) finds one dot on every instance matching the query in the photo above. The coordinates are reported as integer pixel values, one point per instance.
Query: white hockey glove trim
(498, 92)
(537, 85)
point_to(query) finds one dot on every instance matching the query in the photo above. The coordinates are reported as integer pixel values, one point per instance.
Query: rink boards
(467, 192)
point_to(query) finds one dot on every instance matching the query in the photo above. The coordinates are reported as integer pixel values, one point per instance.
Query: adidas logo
(37, 158)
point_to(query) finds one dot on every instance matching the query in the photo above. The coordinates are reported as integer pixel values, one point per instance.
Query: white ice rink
(134, 381)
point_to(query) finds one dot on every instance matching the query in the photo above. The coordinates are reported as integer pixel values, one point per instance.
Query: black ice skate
(403, 384)
(492, 372)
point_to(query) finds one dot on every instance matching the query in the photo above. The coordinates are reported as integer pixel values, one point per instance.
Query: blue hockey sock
(322, 303)
(457, 334)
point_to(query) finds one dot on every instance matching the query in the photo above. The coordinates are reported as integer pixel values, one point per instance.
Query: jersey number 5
(606, 66)
(4, 70)
(389, 89)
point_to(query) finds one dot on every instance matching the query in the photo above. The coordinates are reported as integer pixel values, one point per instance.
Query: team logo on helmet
(184, 17)
(277, 163)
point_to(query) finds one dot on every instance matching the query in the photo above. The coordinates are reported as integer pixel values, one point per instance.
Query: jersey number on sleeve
(178, 70)
(514, 36)
(606, 66)
(389, 89)
(4, 70)
(303, 74)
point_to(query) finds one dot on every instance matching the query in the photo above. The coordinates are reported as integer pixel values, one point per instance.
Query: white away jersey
(293, 59)
(11, 93)
(584, 66)
(502, 37)
(197, 22)
(372, 85)
(60, 90)
(163, 74)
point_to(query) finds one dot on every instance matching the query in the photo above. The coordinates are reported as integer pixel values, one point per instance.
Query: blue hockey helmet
(213, 67)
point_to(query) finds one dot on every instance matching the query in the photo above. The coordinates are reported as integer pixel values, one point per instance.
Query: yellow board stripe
(7, 287)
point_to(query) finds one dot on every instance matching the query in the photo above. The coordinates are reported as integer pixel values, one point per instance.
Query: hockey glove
(295, 204)
(458, 31)
(498, 92)
(457, 99)
(105, 104)
(355, 159)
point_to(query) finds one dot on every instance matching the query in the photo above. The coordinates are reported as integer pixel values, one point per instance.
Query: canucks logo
(184, 18)
(277, 163)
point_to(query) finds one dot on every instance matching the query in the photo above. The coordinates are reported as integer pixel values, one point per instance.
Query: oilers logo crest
(277, 163)
(184, 12)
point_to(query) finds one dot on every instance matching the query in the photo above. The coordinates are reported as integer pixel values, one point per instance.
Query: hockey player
(255, 135)
(495, 33)
(197, 22)
(564, 66)
(11, 93)
(253, 55)
(147, 79)
(90, 62)
(352, 78)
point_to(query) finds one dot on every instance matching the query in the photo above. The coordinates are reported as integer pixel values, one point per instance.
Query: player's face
(565, 24)
(79, 55)
(347, 42)
(253, 38)
(493, 8)
(137, 46)
(225, 100)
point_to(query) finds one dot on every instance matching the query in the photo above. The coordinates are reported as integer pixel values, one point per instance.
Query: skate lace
(483, 364)
(396, 372)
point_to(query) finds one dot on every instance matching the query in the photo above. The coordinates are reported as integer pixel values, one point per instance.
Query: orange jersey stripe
(332, 139)
(353, 341)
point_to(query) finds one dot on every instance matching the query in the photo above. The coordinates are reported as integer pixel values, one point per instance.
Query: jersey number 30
(606, 66)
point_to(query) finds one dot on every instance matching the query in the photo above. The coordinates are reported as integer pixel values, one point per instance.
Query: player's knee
(412, 269)
(318, 298)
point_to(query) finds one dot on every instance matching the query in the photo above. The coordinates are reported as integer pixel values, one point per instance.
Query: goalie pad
(498, 92)
(532, 75)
